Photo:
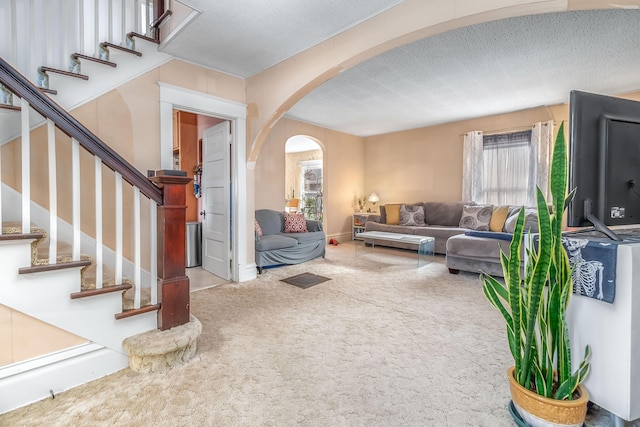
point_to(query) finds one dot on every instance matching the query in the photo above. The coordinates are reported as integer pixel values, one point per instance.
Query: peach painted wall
(426, 164)
(24, 337)
(343, 158)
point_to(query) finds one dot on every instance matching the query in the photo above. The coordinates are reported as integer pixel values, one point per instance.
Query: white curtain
(541, 149)
(472, 167)
(506, 166)
(494, 174)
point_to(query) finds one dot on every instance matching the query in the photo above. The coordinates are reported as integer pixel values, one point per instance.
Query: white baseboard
(247, 272)
(36, 379)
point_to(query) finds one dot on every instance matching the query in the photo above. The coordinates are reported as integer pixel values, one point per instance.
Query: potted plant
(544, 389)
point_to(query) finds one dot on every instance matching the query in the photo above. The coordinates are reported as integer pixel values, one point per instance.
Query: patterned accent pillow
(530, 220)
(411, 215)
(476, 217)
(294, 223)
(256, 225)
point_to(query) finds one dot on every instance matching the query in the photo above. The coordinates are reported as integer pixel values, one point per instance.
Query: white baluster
(98, 174)
(53, 193)
(66, 34)
(14, 30)
(136, 16)
(49, 35)
(153, 270)
(26, 167)
(110, 20)
(147, 21)
(123, 19)
(1, 191)
(118, 228)
(81, 41)
(137, 272)
(96, 25)
(75, 198)
(32, 41)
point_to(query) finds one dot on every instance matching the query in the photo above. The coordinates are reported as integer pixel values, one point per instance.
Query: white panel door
(216, 249)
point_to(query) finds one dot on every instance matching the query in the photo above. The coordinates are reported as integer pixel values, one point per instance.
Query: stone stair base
(156, 351)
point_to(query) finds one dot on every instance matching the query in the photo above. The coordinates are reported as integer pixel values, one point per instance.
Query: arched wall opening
(271, 93)
(304, 177)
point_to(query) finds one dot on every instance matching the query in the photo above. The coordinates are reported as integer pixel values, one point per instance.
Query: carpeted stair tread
(15, 227)
(104, 290)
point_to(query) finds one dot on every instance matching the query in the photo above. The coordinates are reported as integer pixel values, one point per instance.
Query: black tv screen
(604, 160)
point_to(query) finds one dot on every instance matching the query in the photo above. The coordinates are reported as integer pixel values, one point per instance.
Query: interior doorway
(173, 97)
(191, 132)
(304, 177)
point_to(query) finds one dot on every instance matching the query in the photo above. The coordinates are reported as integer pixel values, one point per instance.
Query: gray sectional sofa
(275, 247)
(466, 249)
(442, 221)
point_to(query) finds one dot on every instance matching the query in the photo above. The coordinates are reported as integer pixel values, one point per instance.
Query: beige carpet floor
(381, 344)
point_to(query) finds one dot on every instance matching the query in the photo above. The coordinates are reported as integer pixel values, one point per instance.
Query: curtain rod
(509, 130)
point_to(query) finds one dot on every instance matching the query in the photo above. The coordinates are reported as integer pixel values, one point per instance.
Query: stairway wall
(16, 330)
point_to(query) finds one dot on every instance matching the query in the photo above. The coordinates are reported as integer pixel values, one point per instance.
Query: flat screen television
(604, 162)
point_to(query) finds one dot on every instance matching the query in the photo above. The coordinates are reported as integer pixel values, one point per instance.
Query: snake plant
(534, 307)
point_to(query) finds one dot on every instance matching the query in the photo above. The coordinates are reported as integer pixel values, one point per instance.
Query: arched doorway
(304, 176)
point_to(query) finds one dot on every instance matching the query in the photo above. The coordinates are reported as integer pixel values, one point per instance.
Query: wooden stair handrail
(22, 87)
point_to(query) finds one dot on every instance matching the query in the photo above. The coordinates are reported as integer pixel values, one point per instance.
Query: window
(311, 188)
(506, 165)
(506, 168)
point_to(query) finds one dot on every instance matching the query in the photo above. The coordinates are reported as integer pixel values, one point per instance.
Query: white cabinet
(613, 332)
(358, 222)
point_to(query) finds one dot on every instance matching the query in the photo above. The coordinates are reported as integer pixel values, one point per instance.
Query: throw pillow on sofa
(476, 217)
(498, 218)
(530, 220)
(393, 214)
(294, 223)
(256, 225)
(411, 215)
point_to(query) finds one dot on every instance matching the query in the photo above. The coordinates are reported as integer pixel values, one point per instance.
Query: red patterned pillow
(294, 223)
(256, 225)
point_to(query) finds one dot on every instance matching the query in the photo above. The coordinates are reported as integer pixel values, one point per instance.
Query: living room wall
(426, 164)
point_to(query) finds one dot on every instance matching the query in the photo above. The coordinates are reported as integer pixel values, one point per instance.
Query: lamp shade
(374, 198)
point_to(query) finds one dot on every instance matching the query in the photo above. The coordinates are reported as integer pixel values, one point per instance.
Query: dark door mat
(305, 280)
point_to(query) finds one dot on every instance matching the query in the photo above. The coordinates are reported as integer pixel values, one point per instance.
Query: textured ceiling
(244, 37)
(485, 69)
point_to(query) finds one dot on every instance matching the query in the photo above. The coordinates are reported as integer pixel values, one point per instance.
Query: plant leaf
(515, 294)
(537, 282)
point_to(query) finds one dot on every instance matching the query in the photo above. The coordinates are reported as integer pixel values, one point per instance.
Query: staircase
(77, 50)
(87, 240)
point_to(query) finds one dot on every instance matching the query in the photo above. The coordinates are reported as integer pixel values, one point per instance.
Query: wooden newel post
(173, 283)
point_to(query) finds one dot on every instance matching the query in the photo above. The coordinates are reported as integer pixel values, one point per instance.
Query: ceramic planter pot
(540, 411)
